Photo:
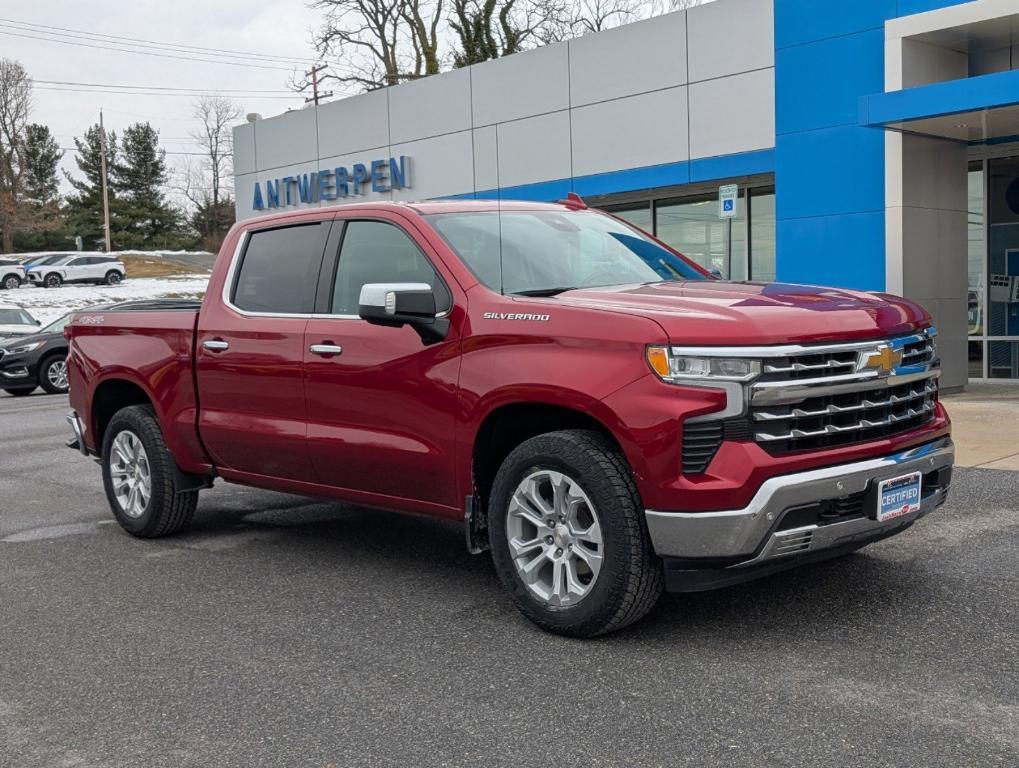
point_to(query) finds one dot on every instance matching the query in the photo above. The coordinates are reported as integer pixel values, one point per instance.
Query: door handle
(326, 349)
(216, 345)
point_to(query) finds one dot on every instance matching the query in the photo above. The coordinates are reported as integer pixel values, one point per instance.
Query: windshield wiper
(544, 291)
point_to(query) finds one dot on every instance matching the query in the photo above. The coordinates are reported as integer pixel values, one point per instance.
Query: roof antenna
(574, 202)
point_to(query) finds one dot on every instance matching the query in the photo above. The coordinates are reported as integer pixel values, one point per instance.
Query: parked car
(12, 275)
(14, 321)
(36, 360)
(106, 270)
(603, 414)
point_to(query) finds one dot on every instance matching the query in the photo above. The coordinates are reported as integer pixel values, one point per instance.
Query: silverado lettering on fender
(658, 428)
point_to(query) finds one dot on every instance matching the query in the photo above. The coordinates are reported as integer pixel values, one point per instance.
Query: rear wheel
(19, 392)
(53, 280)
(113, 277)
(568, 537)
(11, 282)
(140, 478)
(53, 375)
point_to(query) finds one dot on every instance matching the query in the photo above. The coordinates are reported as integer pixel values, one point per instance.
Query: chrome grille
(843, 394)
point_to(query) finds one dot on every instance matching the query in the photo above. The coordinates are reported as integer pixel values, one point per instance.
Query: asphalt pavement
(282, 631)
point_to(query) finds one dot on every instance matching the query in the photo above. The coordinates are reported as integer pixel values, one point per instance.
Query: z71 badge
(515, 316)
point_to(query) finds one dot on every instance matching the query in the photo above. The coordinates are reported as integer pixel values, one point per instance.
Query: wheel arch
(508, 424)
(108, 397)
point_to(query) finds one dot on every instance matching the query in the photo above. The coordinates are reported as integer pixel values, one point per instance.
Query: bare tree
(378, 42)
(15, 104)
(490, 29)
(207, 182)
(596, 15)
(217, 115)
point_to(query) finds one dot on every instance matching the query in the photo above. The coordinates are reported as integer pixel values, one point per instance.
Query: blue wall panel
(842, 250)
(823, 81)
(909, 7)
(806, 21)
(830, 171)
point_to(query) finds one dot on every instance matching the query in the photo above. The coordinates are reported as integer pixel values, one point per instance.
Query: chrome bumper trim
(739, 532)
(78, 441)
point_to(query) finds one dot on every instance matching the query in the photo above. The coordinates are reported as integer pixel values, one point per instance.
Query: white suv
(78, 269)
(12, 275)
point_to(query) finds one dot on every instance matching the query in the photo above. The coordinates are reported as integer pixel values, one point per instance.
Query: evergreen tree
(42, 155)
(85, 208)
(145, 218)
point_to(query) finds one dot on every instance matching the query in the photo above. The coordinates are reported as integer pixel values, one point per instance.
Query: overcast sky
(274, 28)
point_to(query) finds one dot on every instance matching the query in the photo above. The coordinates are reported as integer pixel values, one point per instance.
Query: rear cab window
(278, 270)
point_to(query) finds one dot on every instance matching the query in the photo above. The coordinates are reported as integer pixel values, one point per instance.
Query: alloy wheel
(554, 537)
(130, 473)
(57, 374)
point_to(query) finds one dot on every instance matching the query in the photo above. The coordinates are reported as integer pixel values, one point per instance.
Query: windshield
(15, 317)
(546, 251)
(50, 260)
(57, 326)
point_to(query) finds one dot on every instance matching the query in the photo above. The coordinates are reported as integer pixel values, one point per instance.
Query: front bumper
(794, 518)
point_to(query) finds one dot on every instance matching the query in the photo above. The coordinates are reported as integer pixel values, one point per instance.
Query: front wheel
(113, 277)
(12, 282)
(53, 281)
(568, 537)
(53, 375)
(139, 477)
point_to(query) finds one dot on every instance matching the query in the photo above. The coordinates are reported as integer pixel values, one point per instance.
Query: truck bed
(133, 350)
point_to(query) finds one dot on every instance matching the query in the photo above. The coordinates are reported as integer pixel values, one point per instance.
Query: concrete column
(926, 207)
(925, 231)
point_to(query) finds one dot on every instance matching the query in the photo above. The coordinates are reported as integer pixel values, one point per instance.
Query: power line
(160, 87)
(144, 53)
(193, 154)
(232, 53)
(148, 93)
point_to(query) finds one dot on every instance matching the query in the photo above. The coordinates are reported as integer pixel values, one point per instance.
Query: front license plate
(898, 496)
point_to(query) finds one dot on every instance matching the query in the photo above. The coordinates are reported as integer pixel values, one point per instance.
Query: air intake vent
(793, 542)
(700, 443)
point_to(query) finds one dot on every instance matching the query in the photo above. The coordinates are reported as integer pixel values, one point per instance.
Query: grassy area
(148, 266)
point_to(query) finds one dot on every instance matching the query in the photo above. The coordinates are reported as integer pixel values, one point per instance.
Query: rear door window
(279, 269)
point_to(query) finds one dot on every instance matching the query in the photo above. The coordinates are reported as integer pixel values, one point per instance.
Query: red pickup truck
(604, 415)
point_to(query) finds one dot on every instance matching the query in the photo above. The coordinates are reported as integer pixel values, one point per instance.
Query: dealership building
(870, 144)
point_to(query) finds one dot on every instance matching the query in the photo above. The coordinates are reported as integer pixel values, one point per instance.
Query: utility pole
(106, 195)
(315, 95)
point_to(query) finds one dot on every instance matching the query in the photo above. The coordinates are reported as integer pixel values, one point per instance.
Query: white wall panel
(630, 133)
(634, 58)
(524, 84)
(732, 114)
(726, 38)
(244, 148)
(535, 149)
(486, 162)
(354, 124)
(287, 139)
(430, 107)
(439, 166)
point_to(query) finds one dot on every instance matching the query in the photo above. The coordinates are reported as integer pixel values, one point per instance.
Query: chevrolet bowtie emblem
(885, 360)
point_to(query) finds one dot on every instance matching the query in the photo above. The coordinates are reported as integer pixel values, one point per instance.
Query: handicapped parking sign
(727, 196)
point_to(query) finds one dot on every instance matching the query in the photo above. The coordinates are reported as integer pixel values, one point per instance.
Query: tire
(20, 392)
(166, 511)
(11, 282)
(53, 375)
(113, 277)
(52, 280)
(629, 580)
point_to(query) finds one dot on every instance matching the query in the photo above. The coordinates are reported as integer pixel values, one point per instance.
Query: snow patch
(47, 304)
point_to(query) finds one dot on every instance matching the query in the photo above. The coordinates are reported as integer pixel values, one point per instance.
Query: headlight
(20, 350)
(693, 369)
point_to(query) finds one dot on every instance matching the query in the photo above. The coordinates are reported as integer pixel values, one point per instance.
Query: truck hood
(722, 312)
